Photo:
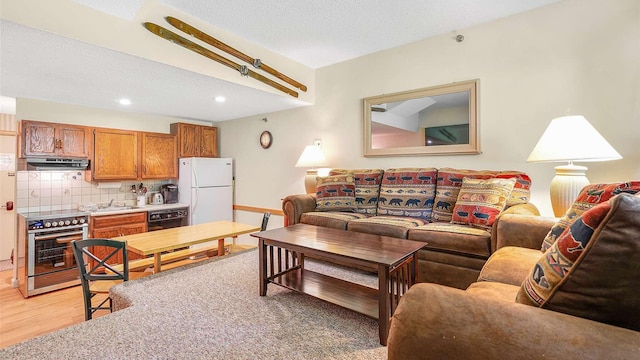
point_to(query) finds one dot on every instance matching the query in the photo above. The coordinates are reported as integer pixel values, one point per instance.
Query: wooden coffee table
(282, 252)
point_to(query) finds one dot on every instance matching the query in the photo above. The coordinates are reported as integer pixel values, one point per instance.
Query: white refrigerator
(206, 185)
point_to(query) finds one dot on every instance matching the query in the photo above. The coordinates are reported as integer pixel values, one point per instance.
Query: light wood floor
(22, 319)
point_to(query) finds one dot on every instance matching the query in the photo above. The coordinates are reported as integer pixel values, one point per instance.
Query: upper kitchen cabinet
(115, 155)
(196, 140)
(159, 156)
(52, 139)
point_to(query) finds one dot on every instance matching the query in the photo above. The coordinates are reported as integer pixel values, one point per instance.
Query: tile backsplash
(61, 190)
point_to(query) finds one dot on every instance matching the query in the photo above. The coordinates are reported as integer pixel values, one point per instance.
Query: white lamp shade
(572, 138)
(312, 156)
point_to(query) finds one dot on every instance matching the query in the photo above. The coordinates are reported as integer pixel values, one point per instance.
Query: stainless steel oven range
(44, 242)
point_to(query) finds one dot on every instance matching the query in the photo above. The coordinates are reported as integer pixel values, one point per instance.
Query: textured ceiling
(39, 64)
(321, 33)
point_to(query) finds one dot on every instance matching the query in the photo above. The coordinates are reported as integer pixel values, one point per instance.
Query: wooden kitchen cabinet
(114, 226)
(115, 155)
(116, 231)
(53, 139)
(159, 156)
(196, 140)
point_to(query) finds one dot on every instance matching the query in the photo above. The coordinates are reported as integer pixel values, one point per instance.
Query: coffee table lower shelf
(282, 253)
(356, 297)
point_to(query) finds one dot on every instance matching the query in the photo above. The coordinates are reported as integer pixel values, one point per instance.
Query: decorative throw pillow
(589, 196)
(480, 201)
(448, 186)
(367, 188)
(521, 190)
(592, 270)
(335, 193)
(408, 192)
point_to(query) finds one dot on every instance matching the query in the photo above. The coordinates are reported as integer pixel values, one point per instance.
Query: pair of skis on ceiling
(243, 69)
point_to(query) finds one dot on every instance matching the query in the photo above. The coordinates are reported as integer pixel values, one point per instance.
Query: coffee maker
(169, 193)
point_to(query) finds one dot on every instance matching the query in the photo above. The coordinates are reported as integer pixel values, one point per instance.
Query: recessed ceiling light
(220, 98)
(124, 101)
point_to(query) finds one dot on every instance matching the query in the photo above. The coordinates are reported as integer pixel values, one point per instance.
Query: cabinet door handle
(61, 144)
(144, 169)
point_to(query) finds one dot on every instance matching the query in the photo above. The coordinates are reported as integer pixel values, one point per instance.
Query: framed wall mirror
(438, 120)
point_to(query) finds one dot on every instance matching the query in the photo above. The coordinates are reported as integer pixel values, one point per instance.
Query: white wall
(572, 57)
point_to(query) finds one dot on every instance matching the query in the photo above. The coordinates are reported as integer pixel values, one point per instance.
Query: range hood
(60, 164)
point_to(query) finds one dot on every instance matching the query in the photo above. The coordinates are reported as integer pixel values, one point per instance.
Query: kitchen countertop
(134, 209)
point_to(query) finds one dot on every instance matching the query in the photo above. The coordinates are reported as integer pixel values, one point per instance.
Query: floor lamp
(570, 138)
(311, 157)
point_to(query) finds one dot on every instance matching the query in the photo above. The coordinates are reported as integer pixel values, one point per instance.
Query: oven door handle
(57, 235)
(68, 239)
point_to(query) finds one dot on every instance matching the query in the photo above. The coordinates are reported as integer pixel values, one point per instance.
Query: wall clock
(265, 139)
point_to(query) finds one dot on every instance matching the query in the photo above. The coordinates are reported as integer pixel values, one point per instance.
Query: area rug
(212, 310)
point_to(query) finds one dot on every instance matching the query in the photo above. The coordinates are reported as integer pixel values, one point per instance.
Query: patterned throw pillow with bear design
(408, 192)
(336, 193)
(367, 188)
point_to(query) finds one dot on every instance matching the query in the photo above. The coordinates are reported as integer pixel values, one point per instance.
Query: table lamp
(570, 138)
(312, 157)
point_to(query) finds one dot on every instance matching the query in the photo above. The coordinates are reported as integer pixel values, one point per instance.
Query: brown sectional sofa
(588, 299)
(454, 253)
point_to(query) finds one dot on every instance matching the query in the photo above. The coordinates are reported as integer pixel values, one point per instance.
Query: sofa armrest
(522, 209)
(520, 230)
(439, 322)
(295, 205)
(510, 265)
